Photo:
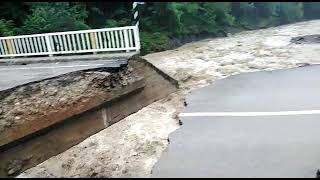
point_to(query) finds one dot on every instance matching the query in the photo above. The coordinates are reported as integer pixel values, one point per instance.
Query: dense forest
(162, 24)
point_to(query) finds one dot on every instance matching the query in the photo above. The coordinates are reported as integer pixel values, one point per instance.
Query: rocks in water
(297, 40)
(185, 103)
(315, 38)
(299, 64)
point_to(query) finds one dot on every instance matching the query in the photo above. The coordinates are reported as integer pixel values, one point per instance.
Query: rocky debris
(111, 80)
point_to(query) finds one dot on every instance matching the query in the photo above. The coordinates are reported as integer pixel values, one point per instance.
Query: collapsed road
(23, 74)
(259, 124)
(42, 118)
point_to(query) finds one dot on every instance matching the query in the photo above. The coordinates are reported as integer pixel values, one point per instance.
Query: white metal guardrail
(94, 40)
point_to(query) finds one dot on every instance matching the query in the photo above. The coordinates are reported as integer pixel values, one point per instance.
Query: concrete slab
(260, 146)
(66, 58)
(280, 90)
(243, 147)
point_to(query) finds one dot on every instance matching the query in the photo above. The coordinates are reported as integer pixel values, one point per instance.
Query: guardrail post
(93, 41)
(9, 44)
(48, 44)
(126, 40)
(136, 38)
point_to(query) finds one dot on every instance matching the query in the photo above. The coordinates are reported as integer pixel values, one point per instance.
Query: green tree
(311, 10)
(52, 17)
(195, 18)
(14, 11)
(291, 12)
(159, 21)
(6, 28)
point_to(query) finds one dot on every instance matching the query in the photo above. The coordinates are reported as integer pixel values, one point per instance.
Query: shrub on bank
(153, 42)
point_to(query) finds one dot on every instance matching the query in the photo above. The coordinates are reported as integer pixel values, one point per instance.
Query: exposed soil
(29, 102)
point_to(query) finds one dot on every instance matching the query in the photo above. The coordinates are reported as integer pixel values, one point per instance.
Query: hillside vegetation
(163, 25)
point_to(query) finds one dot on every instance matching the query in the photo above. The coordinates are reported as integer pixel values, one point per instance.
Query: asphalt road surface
(262, 124)
(13, 75)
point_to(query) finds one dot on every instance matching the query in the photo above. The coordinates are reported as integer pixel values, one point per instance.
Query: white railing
(94, 40)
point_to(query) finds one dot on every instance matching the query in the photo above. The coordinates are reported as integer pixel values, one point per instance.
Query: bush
(256, 14)
(52, 17)
(110, 23)
(291, 11)
(311, 10)
(196, 17)
(6, 28)
(222, 12)
(265, 14)
(153, 42)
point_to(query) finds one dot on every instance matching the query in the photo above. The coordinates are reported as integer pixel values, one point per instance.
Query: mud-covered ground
(132, 146)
